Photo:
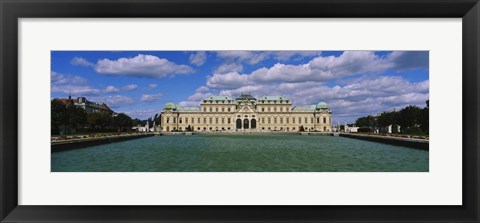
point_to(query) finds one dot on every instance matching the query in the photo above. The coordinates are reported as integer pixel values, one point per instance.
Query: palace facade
(268, 113)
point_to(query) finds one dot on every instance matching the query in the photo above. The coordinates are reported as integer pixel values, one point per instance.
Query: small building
(88, 106)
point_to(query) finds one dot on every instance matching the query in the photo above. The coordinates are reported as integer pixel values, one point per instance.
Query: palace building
(268, 113)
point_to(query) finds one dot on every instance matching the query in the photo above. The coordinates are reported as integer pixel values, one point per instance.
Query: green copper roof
(321, 105)
(246, 97)
(273, 98)
(218, 98)
(169, 105)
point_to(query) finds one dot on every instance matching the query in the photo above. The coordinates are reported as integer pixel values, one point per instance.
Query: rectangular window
(186, 120)
(306, 120)
(229, 122)
(311, 120)
(299, 120)
(228, 109)
(318, 120)
(193, 120)
(324, 120)
(281, 120)
(223, 120)
(210, 109)
(263, 120)
(268, 120)
(198, 120)
(223, 109)
(274, 120)
(204, 120)
(179, 120)
(210, 120)
(286, 119)
(168, 120)
(263, 109)
(293, 120)
(174, 120)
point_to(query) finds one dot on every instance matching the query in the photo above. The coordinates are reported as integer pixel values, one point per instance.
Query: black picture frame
(11, 11)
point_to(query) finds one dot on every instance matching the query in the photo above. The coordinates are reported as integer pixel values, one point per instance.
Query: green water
(242, 153)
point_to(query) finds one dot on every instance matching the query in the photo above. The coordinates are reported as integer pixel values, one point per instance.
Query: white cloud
(228, 81)
(198, 96)
(75, 90)
(142, 114)
(151, 97)
(151, 86)
(70, 84)
(130, 87)
(202, 89)
(79, 61)
(228, 68)
(255, 57)
(189, 103)
(111, 89)
(250, 57)
(287, 55)
(320, 69)
(141, 66)
(198, 58)
(59, 78)
(118, 101)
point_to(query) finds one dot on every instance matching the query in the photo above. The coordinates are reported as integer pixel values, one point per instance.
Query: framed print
(239, 111)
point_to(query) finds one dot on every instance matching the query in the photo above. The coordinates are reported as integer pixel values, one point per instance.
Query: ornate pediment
(246, 109)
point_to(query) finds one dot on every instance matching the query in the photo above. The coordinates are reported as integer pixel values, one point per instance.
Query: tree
(150, 122)
(58, 116)
(362, 122)
(408, 117)
(136, 122)
(76, 117)
(424, 118)
(122, 122)
(100, 120)
(387, 118)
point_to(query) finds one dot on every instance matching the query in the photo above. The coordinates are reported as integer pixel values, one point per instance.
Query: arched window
(253, 124)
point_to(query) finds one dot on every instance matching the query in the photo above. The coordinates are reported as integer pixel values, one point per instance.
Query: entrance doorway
(239, 123)
(245, 124)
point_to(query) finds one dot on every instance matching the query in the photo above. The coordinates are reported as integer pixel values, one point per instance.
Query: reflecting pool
(242, 153)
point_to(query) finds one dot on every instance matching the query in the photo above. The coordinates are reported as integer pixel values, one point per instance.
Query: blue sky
(140, 83)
